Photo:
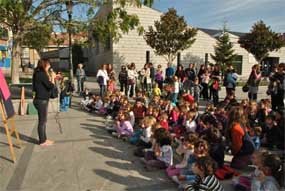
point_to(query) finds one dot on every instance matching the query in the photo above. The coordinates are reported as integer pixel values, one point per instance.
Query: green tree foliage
(170, 35)
(261, 40)
(31, 21)
(224, 52)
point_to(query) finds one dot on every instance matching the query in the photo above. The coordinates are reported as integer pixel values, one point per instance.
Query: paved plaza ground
(84, 158)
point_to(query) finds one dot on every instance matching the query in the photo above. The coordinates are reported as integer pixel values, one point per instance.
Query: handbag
(100, 80)
(245, 88)
(54, 93)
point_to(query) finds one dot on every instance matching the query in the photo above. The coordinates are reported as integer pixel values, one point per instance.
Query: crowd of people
(159, 114)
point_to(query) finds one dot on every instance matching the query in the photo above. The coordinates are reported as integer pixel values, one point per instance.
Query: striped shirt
(209, 183)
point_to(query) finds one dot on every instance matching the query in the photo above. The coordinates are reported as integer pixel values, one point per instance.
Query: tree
(32, 21)
(170, 35)
(224, 52)
(261, 40)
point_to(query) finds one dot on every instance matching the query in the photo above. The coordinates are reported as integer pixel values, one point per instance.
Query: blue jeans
(174, 97)
(102, 90)
(80, 85)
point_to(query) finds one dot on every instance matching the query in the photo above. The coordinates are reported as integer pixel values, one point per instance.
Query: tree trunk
(16, 60)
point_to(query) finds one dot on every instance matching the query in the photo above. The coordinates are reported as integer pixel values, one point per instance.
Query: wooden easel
(9, 131)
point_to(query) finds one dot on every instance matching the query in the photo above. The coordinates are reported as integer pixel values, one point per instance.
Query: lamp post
(69, 6)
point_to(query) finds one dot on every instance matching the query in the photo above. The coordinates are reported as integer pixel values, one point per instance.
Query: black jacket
(41, 85)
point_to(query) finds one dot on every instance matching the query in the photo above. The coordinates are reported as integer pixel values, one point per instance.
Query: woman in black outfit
(42, 85)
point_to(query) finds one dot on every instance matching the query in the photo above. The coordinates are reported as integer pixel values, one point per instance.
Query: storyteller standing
(43, 83)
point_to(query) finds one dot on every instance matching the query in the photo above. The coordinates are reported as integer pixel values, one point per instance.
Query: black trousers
(215, 94)
(42, 108)
(124, 87)
(205, 90)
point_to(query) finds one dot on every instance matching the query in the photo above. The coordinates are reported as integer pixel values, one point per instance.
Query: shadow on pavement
(117, 149)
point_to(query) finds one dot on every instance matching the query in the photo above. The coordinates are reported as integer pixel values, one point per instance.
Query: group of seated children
(158, 127)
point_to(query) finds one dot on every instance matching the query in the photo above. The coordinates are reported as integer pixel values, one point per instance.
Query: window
(237, 64)
(178, 58)
(147, 55)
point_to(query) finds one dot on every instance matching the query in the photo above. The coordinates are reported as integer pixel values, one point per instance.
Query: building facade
(133, 48)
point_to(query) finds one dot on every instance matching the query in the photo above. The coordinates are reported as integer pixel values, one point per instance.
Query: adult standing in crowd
(253, 82)
(169, 73)
(81, 77)
(230, 80)
(102, 78)
(215, 86)
(276, 88)
(190, 72)
(123, 79)
(159, 77)
(132, 78)
(180, 73)
(205, 79)
(43, 83)
(201, 72)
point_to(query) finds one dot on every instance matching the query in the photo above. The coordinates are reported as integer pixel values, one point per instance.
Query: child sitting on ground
(164, 121)
(204, 169)
(156, 91)
(162, 156)
(190, 123)
(144, 141)
(123, 127)
(185, 148)
(186, 174)
(98, 104)
(271, 175)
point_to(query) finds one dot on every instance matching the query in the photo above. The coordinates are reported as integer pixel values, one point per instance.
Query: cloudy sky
(238, 14)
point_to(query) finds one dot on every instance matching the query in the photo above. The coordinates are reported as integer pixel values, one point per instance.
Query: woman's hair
(42, 64)
(237, 115)
(256, 67)
(276, 166)
(207, 165)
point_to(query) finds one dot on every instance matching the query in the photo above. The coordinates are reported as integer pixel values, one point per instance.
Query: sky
(239, 15)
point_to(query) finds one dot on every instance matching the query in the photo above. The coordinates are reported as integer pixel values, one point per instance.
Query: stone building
(133, 48)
